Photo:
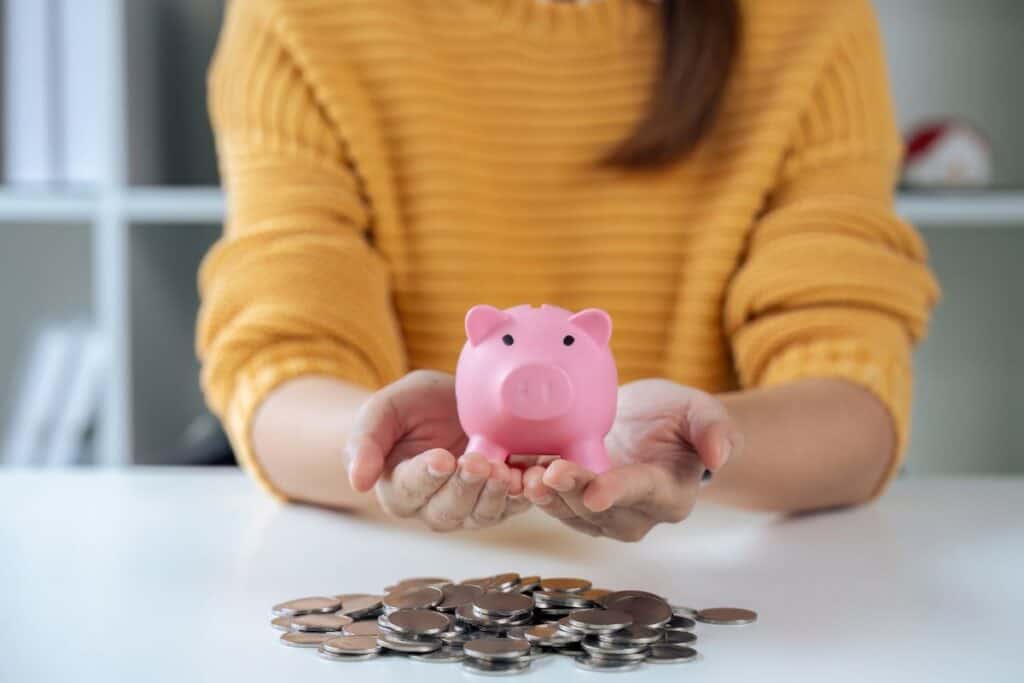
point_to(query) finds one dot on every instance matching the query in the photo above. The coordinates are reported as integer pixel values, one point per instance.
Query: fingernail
(544, 500)
(566, 485)
(496, 486)
(726, 451)
(433, 471)
(469, 476)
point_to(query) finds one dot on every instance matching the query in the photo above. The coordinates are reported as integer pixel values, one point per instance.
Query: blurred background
(109, 200)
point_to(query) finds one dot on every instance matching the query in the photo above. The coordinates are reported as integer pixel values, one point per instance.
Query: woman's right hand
(404, 443)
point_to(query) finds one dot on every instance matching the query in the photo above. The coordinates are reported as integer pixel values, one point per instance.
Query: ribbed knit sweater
(390, 163)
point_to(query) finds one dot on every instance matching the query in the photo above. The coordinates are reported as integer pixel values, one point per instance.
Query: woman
(716, 174)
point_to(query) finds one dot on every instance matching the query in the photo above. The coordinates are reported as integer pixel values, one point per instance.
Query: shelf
(174, 205)
(993, 208)
(987, 208)
(46, 206)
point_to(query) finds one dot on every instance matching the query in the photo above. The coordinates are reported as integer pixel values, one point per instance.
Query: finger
(490, 506)
(544, 497)
(448, 509)
(413, 481)
(646, 488)
(534, 488)
(569, 480)
(515, 481)
(711, 431)
(374, 432)
(516, 505)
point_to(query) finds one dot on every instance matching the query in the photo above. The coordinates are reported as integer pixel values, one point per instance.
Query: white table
(169, 575)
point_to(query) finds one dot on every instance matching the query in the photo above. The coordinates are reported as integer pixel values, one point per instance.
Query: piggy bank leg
(589, 454)
(486, 448)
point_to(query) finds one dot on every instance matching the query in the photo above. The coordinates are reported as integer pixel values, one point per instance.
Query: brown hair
(700, 39)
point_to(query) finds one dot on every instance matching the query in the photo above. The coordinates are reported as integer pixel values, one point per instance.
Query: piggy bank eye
(507, 339)
(568, 339)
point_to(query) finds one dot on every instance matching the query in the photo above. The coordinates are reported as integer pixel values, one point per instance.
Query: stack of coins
(501, 624)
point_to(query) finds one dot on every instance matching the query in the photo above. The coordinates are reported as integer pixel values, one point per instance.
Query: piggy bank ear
(480, 320)
(594, 322)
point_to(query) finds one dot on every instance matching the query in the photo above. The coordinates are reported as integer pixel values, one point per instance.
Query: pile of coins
(500, 624)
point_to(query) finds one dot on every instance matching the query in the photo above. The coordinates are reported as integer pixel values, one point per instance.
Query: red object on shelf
(947, 153)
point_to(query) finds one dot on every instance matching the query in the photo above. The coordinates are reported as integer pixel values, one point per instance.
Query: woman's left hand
(665, 435)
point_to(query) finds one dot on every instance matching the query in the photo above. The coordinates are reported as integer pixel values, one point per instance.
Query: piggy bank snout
(537, 392)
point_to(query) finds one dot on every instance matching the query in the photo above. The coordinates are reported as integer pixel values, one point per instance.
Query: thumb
(712, 431)
(373, 434)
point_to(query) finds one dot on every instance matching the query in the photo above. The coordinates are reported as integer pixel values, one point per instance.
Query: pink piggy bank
(537, 381)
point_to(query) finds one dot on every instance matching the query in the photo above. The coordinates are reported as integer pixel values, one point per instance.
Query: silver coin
(407, 644)
(282, 623)
(496, 648)
(632, 635)
(728, 616)
(599, 620)
(505, 582)
(597, 653)
(566, 626)
(556, 599)
(306, 606)
(464, 614)
(542, 617)
(467, 614)
(678, 623)
(456, 595)
(683, 611)
(419, 581)
(482, 667)
(369, 627)
(495, 604)
(610, 598)
(570, 650)
(423, 597)
(549, 635)
(517, 632)
(332, 657)
(594, 594)
(320, 623)
(591, 663)
(598, 647)
(418, 622)
(646, 611)
(455, 639)
(305, 639)
(383, 624)
(359, 605)
(680, 637)
(351, 645)
(441, 655)
(528, 584)
(565, 584)
(670, 654)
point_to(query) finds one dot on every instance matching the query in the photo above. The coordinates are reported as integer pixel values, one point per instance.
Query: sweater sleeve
(293, 287)
(834, 284)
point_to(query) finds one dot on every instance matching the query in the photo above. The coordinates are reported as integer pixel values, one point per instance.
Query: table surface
(169, 575)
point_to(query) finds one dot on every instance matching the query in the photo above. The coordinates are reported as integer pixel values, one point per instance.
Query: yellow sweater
(389, 163)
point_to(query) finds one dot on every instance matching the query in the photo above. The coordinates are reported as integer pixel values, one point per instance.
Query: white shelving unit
(115, 210)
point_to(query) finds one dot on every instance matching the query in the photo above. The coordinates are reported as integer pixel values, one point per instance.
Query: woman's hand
(404, 442)
(665, 435)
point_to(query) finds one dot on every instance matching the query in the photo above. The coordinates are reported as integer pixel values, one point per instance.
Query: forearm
(807, 445)
(299, 435)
